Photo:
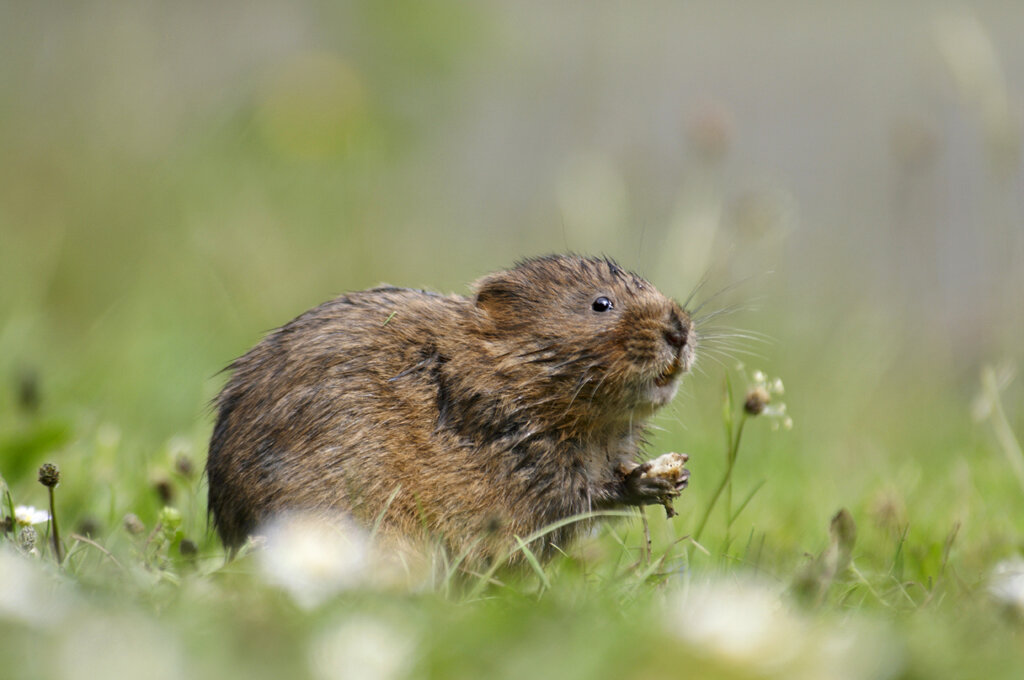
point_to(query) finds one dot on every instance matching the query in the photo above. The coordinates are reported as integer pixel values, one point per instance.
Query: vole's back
(317, 416)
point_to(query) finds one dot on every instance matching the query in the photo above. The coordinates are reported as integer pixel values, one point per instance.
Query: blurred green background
(178, 178)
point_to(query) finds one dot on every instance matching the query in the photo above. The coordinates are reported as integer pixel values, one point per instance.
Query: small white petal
(26, 515)
(1007, 583)
(361, 648)
(741, 621)
(27, 591)
(748, 628)
(314, 558)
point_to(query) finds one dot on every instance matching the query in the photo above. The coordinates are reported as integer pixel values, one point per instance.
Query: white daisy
(26, 515)
(314, 558)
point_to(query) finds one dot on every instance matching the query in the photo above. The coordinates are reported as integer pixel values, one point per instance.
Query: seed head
(183, 465)
(49, 475)
(132, 524)
(89, 526)
(164, 490)
(27, 538)
(710, 132)
(757, 399)
(28, 391)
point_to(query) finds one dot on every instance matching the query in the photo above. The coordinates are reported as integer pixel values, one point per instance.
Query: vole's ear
(496, 294)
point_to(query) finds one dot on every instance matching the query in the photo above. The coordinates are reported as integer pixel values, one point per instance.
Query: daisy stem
(57, 550)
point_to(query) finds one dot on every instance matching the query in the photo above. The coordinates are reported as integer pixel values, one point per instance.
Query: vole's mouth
(669, 374)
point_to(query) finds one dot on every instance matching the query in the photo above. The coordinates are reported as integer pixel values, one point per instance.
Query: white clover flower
(26, 515)
(179, 445)
(746, 625)
(743, 622)
(29, 593)
(759, 400)
(1006, 584)
(314, 558)
(361, 648)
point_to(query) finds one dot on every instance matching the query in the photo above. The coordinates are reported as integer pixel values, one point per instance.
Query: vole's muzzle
(676, 332)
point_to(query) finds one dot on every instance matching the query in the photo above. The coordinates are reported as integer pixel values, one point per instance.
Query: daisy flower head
(26, 515)
(1006, 585)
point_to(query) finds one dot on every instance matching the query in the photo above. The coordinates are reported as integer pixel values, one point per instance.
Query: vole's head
(589, 329)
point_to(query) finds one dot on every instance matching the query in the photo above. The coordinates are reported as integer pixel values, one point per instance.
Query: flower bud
(49, 475)
(757, 399)
(188, 548)
(132, 524)
(27, 538)
(183, 466)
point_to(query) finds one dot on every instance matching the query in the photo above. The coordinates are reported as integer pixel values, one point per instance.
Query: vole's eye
(602, 304)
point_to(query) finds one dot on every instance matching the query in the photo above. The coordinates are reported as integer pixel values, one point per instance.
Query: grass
(893, 587)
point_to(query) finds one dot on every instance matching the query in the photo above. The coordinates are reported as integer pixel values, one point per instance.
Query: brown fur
(462, 418)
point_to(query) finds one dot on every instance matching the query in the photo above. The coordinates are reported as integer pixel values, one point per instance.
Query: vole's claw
(637, 472)
(683, 481)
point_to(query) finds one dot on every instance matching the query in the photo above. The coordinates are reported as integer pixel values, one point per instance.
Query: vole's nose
(676, 333)
(676, 338)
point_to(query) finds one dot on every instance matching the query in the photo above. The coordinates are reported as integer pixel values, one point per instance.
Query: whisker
(583, 380)
(696, 289)
(597, 388)
(718, 331)
(607, 373)
(747, 306)
(730, 287)
(734, 353)
(732, 341)
(711, 357)
(720, 345)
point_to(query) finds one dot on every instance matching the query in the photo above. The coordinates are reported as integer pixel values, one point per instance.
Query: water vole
(472, 419)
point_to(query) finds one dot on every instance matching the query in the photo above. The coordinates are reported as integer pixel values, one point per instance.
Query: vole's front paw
(657, 482)
(641, 488)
